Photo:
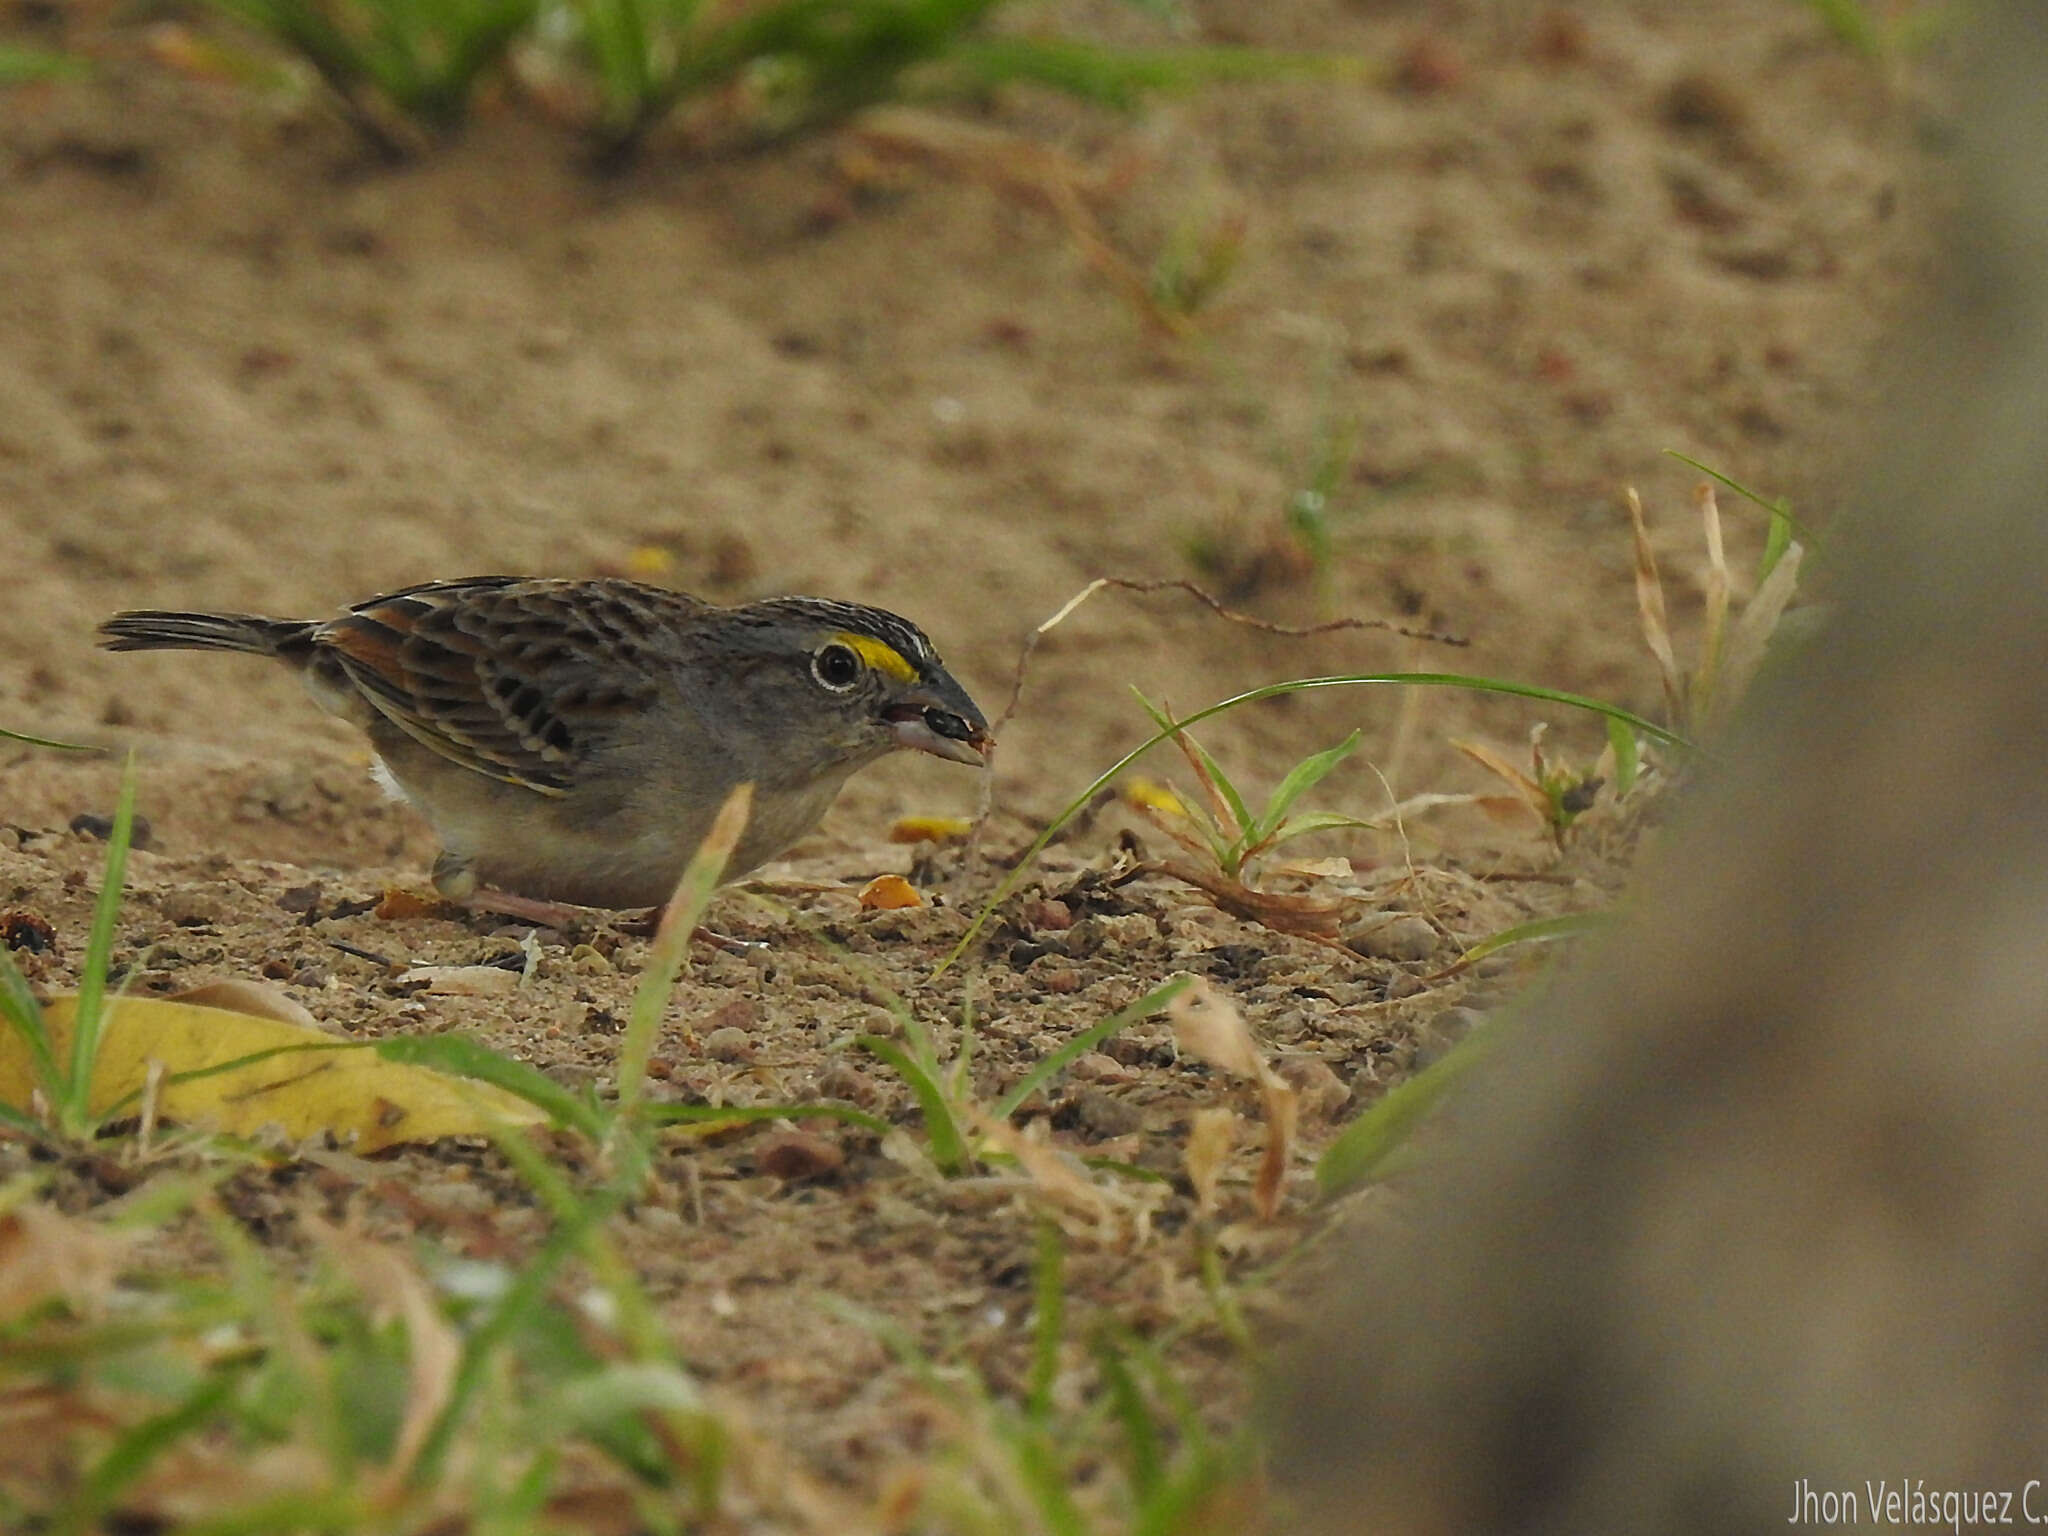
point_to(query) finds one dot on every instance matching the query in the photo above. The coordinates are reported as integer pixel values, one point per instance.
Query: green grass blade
(1121, 78)
(1628, 756)
(672, 942)
(87, 1016)
(1058, 1061)
(521, 1300)
(24, 1016)
(1542, 930)
(747, 1114)
(1777, 539)
(1366, 1143)
(1321, 821)
(1144, 1457)
(131, 1455)
(471, 49)
(1780, 510)
(26, 66)
(21, 1122)
(129, 1100)
(1851, 24)
(21, 736)
(1240, 812)
(950, 1151)
(1301, 778)
(465, 1056)
(1049, 1322)
(1022, 868)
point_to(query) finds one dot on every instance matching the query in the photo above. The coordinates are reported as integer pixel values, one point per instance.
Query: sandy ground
(1485, 285)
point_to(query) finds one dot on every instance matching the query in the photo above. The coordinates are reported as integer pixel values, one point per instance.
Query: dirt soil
(1484, 285)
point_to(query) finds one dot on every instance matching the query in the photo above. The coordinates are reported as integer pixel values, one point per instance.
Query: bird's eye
(836, 667)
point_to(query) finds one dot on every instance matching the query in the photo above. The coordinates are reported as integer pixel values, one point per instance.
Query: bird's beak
(927, 727)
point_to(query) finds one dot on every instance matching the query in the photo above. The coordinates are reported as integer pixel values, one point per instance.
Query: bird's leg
(455, 878)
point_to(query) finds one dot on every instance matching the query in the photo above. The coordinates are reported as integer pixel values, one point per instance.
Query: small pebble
(1047, 915)
(1061, 979)
(190, 908)
(1454, 1024)
(1096, 1067)
(1385, 937)
(1104, 1115)
(848, 1083)
(729, 1044)
(87, 824)
(740, 1014)
(796, 1156)
(1319, 1090)
(878, 1021)
(1129, 931)
(1131, 1051)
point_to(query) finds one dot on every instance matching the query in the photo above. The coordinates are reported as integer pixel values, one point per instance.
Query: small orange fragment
(930, 829)
(397, 904)
(887, 893)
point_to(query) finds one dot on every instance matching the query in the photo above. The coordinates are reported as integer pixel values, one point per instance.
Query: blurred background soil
(1482, 286)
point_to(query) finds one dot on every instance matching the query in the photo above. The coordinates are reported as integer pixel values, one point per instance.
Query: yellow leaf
(648, 562)
(350, 1093)
(1152, 795)
(889, 892)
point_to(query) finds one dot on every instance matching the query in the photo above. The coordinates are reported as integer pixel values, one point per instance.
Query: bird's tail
(156, 630)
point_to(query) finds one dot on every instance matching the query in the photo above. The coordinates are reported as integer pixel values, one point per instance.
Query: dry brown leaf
(1312, 869)
(1084, 1206)
(1650, 611)
(463, 980)
(1212, 1133)
(1312, 916)
(1751, 636)
(46, 1255)
(1507, 772)
(1707, 675)
(1207, 1025)
(1508, 810)
(1282, 1108)
(250, 997)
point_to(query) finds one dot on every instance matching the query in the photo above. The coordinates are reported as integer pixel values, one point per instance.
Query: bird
(570, 741)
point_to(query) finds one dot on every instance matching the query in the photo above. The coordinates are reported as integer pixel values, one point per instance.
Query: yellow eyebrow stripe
(880, 655)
